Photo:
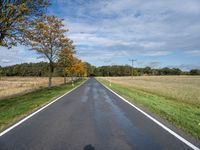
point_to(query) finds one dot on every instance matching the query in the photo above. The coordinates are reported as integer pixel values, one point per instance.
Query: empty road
(89, 118)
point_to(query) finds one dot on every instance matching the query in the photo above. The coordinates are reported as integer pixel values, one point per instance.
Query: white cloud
(152, 44)
(194, 52)
(95, 40)
(5, 61)
(100, 55)
(157, 53)
(185, 67)
(17, 55)
(154, 64)
(116, 6)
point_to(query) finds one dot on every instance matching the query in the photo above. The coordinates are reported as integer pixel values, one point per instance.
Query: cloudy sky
(157, 33)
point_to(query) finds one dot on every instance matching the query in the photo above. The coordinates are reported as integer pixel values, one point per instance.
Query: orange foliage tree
(75, 68)
(66, 55)
(15, 15)
(46, 36)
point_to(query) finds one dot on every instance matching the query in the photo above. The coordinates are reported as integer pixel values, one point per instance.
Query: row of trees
(78, 68)
(25, 69)
(25, 22)
(41, 69)
(126, 70)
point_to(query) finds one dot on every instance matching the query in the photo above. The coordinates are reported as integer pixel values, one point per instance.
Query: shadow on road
(89, 147)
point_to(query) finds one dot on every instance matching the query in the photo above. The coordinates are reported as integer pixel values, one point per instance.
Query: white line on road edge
(34, 113)
(154, 120)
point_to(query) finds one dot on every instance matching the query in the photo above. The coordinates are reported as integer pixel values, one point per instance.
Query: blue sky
(157, 33)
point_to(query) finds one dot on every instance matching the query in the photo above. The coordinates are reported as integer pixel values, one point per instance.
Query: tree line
(126, 70)
(41, 69)
(26, 22)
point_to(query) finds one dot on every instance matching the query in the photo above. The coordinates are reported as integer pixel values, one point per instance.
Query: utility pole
(109, 80)
(132, 61)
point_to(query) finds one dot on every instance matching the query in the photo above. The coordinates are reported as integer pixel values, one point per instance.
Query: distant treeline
(41, 69)
(126, 70)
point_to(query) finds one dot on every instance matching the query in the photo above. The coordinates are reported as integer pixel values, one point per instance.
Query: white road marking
(156, 121)
(34, 113)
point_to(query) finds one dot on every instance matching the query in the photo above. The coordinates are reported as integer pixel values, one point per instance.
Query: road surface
(89, 118)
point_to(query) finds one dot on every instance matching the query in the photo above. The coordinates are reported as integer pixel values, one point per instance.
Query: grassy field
(174, 98)
(180, 88)
(12, 109)
(16, 85)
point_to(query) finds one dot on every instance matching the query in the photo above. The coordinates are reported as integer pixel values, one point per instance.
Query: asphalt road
(89, 118)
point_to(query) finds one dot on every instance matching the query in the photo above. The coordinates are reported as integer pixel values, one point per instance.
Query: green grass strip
(182, 115)
(12, 109)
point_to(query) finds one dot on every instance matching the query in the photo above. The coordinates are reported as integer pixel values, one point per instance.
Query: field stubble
(18, 85)
(180, 88)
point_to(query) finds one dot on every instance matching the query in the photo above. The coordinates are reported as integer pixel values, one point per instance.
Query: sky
(157, 33)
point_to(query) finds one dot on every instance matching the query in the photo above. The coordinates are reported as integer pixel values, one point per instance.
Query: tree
(15, 16)
(90, 69)
(81, 69)
(65, 55)
(70, 68)
(147, 70)
(195, 72)
(46, 36)
(76, 68)
(176, 71)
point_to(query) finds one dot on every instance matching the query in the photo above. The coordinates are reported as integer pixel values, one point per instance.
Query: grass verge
(13, 109)
(182, 115)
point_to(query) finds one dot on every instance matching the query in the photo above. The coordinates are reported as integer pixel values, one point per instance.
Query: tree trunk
(65, 80)
(50, 82)
(50, 73)
(72, 81)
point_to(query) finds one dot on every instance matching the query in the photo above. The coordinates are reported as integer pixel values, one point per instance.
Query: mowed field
(180, 88)
(18, 85)
(173, 98)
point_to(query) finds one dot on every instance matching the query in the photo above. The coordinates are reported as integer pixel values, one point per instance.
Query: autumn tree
(46, 36)
(15, 16)
(82, 69)
(66, 55)
(76, 68)
(79, 68)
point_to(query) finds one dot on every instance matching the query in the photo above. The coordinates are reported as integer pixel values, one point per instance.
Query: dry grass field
(181, 88)
(16, 85)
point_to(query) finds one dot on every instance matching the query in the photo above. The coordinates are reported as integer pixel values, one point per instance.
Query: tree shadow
(89, 147)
